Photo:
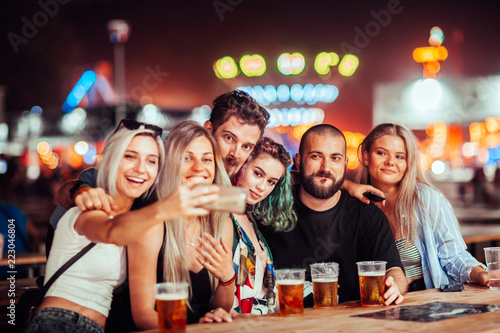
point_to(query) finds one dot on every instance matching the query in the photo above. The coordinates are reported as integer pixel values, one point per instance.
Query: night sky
(184, 38)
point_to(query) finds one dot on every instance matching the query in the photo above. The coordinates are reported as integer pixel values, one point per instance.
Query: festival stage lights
(310, 94)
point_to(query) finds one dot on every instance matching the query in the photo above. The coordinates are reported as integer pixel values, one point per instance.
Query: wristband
(83, 189)
(227, 283)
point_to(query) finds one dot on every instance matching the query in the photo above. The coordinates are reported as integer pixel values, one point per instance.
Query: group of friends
(143, 206)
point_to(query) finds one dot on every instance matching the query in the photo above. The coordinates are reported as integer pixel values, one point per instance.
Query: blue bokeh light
(79, 90)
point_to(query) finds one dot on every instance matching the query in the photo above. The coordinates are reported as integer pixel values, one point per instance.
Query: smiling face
(261, 177)
(235, 141)
(138, 167)
(199, 161)
(322, 166)
(386, 161)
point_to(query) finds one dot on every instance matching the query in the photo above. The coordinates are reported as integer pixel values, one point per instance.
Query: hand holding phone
(374, 197)
(231, 199)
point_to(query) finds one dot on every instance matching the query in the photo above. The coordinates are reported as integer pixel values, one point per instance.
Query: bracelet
(227, 283)
(83, 189)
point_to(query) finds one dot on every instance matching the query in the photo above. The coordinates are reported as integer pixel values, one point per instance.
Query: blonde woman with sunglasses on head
(80, 299)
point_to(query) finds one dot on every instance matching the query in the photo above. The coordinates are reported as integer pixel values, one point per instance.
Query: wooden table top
(24, 259)
(341, 320)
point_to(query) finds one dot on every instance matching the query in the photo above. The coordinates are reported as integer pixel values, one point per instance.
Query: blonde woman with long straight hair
(80, 299)
(426, 231)
(196, 249)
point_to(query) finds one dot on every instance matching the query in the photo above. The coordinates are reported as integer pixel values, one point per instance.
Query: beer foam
(325, 280)
(289, 282)
(171, 297)
(372, 274)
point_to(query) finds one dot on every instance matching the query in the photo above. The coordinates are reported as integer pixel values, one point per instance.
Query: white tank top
(90, 281)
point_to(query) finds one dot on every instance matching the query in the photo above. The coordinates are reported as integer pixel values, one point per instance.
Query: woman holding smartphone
(195, 249)
(269, 202)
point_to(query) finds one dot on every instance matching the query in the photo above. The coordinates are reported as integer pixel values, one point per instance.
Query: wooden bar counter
(341, 320)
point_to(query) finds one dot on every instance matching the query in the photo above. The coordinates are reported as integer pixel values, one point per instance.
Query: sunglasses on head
(133, 125)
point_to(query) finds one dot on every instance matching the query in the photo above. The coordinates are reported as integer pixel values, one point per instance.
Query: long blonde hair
(407, 198)
(175, 264)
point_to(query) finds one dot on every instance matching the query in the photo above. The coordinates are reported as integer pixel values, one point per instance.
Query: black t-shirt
(349, 232)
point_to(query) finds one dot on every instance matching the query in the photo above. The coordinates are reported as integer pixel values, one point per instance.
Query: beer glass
(324, 277)
(492, 255)
(371, 282)
(290, 290)
(171, 306)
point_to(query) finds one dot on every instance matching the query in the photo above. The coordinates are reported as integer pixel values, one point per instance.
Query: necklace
(190, 242)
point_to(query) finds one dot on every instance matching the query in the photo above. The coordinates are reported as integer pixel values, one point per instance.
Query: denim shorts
(61, 321)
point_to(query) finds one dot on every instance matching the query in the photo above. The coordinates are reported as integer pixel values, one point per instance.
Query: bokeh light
(438, 167)
(348, 65)
(426, 94)
(90, 156)
(226, 68)
(310, 94)
(253, 65)
(469, 149)
(3, 166)
(36, 110)
(81, 147)
(324, 61)
(291, 64)
(79, 90)
(74, 122)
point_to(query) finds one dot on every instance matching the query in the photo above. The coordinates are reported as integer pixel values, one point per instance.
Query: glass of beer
(171, 306)
(290, 290)
(325, 277)
(492, 255)
(371, 282)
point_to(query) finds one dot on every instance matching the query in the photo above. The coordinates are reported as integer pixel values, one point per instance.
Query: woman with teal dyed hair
(270, 202)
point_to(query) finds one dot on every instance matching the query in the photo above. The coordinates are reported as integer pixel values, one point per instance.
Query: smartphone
(452, 287)
(374, 197)
(231, 199)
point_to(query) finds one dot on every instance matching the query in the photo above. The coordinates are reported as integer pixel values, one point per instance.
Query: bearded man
(333, 226)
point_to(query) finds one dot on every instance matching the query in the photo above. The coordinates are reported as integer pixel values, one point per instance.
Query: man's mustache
(324, 174)
(230, 162)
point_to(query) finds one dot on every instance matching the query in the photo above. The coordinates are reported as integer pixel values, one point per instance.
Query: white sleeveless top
(90, 281)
